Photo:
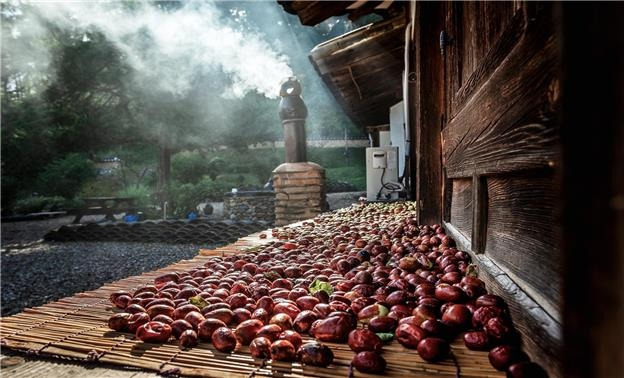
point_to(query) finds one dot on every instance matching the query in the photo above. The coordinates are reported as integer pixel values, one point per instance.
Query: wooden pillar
(427, 108)
(592, 135)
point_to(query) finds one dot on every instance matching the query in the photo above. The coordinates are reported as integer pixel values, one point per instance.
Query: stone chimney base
(299, 192)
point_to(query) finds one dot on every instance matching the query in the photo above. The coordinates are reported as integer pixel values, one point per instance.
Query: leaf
(198, 301)
(385, 337)
(472, 270)
(321, 285)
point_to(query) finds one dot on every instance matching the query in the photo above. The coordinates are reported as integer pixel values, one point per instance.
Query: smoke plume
(170, 47)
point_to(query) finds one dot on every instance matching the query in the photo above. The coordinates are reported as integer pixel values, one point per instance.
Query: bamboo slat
(76, 328)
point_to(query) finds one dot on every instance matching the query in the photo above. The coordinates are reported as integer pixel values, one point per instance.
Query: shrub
(141, 194)
(190, 166)
(352, 178)
(64, 177)
(39, 204)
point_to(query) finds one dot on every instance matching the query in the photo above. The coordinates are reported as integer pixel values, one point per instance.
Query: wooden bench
(104, 205)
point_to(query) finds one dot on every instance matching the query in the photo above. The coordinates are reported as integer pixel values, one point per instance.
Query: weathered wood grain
(523, 233)
(367, 46)
(500, 48)
(318, 11)
(540, 332)
(370, 85)
(508, 123)
(461, 206)
(480, 213)
(592, 136)
(429, 113)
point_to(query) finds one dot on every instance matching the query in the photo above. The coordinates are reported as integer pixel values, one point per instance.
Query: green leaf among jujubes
(321, 285)
(385, 337)
(198, 301)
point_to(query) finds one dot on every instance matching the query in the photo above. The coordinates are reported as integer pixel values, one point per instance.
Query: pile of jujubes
(364, 276)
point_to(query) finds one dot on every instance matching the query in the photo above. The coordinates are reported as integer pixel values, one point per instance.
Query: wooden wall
(489, 98)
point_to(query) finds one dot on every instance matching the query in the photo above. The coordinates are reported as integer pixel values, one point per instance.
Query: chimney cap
(290, 87)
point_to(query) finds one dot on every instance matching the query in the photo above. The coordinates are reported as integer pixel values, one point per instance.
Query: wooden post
(427, 106)
(592, 138)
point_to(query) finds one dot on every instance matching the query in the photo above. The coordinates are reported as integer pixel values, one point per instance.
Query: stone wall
(251, 205)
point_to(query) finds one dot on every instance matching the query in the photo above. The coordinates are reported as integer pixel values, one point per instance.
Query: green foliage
(190, 166)
(101, 186)
(39, 204)
(186, 196)
(141, 194)
(64, 177)
(338, 157)
(355, 176)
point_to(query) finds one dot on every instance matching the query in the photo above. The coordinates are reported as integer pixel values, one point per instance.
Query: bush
(39, 204)
(141, 194)
(354, 177)
(64, 177)
(191, 166)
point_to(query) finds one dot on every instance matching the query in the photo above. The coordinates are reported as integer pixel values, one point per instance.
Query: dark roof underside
(363, 70)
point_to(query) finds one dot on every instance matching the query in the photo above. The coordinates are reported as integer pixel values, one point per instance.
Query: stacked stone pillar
(299, 192)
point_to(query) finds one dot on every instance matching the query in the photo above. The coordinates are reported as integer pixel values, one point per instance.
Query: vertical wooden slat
(592, 138)
(479, 215)
(447, 197)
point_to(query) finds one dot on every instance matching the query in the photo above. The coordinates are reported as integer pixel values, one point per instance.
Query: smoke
(170, 47)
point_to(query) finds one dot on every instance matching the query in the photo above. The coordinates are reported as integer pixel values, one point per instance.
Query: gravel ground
(44, 272)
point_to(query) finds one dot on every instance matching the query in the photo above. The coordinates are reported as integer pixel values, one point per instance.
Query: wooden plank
(593, 197)
(367, 46)
(429, 97)
(368, 68)
(356, 4)
(490, 62)
(508, 124)
(319, 11)
(388, 78)
(385, 4)
(480, 213)
(461, 206)
(540, 333)
(522, 234)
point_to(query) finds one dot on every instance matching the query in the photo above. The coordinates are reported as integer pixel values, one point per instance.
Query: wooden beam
(385, 5)
(318, 11)
(357, 4)
(429, 69)
(592, 138)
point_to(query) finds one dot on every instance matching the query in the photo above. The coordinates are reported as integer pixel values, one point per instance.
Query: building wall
(487, 150)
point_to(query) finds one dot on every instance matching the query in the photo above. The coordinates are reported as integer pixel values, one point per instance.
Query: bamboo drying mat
(76, 328)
